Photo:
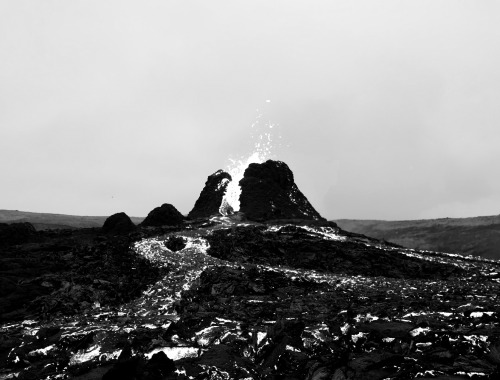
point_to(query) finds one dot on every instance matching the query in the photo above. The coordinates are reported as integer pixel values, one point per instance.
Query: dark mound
(210, 198)
(118, 223)
(16, 233)
(166, 215)
(268, 191)
(296, 247)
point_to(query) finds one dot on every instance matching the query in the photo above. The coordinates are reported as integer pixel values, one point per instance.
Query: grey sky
(386, 109)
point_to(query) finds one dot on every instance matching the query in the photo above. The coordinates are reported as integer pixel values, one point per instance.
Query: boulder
(166, 215)
(210, 198)
(118, 223)
(16, 233)
(268, 191)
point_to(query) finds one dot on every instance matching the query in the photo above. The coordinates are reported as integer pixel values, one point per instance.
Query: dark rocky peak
(118, 223)
(268, 191)
(210, 198)
(166, 215)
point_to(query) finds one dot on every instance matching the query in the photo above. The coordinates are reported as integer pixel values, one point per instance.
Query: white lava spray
(263, 137)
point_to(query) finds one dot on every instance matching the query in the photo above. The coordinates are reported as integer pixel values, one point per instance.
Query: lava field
(223, 298)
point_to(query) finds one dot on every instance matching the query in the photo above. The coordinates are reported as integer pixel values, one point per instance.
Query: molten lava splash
(237, 169)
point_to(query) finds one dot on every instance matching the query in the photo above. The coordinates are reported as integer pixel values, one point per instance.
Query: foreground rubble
(235, 300)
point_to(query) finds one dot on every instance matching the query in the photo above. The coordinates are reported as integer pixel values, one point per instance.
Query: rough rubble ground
(250, 318)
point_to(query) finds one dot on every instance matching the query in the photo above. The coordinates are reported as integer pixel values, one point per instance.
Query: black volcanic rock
(118, 223)
(65, 272)
(175, 243)
(210, 198)
(268, 191)
(296, 247)
(166, 215)
(16, 233)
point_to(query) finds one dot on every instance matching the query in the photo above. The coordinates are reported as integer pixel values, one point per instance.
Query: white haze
(386, 109)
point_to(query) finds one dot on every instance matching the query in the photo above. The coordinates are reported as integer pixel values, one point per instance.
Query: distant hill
(46, 221)
(478, 236)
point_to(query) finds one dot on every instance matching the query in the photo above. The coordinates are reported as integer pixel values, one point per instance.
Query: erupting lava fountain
(262, 151)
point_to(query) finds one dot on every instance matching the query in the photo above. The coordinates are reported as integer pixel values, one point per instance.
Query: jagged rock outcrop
(16, 233)
(210, 198)
(166, 215)
(118, 223)
(268, 191)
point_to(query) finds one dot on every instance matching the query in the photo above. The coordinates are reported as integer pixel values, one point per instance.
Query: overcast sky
(382, 109)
